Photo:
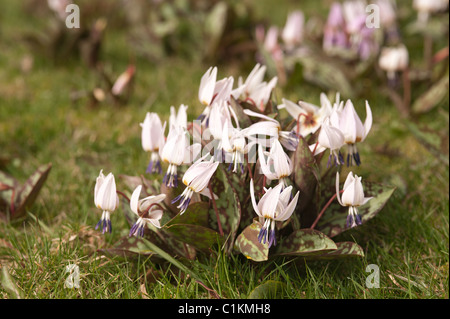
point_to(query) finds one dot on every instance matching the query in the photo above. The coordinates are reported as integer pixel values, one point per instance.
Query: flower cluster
(224, 139)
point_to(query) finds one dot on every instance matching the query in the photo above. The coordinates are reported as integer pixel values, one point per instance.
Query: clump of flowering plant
(256, 180)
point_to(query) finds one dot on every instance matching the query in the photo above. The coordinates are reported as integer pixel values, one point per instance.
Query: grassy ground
(40, 123)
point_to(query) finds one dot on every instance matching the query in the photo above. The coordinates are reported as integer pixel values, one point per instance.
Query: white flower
(254, 89)
(147, 209)
(271, 40)
(272, 128)
(278, 164)
(152, 140)
(222, 89)
(261, 94)
(272, 207)
(207, 84)
(426, 7)
(180, 118)
(308, 116)
(196, 178)
(106, 199)
(352, 197)
(292, 33)
(176, 152)
(393, 59)
(330, 138)
(354, 130)
(234, 143)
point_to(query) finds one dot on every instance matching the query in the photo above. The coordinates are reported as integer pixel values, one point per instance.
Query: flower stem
(324, 209)
(125, 196)
(215, 209)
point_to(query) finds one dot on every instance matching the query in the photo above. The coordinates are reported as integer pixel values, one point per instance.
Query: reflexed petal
(134, 200)
(252, 195)
(289, 209)
(368, 121)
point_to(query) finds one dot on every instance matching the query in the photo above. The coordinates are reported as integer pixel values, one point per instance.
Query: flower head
(275, 205)
(330, 138)
(147, 209)
(106, 199)
(152, 139)
(176, 152)
(207, 84)
(354, 130)
(352, 197)
(196, 178)
(292, 33)
(278, 165)
(308, 116)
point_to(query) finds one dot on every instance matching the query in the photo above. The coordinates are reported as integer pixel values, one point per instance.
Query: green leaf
(333, 221)
(271, 289)
(305, 242)
(247, 243)
(29, 191)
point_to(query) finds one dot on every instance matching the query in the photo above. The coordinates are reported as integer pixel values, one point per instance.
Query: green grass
(39, 123)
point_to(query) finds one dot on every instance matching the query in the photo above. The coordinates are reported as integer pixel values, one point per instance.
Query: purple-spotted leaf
(344, 250)
(244, 119)
(306, 174)
(197, 214)
(247, 243)
(228, 205)
(200, 237)
(333, 221)
(305, 242)
(28, 192)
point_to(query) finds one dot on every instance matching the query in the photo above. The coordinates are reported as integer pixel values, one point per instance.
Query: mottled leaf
(227, 203)
(247, 243)
(304, 242)
(244, 119)
(197, 214)
(344, 250)
(271, 289)
(333, 221)
(8, 186)
(27, 194)
(306, 174)
(431, 98)
(200, 237)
